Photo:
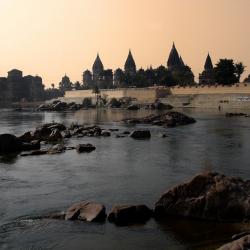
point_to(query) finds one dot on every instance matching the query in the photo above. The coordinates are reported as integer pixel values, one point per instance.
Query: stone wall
(240, 88)
(142, 95)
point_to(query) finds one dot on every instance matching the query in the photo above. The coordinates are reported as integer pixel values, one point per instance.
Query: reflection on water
(119, 171)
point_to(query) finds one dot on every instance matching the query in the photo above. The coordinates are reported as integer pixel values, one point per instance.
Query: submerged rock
(235, 114)
(82, 148)
(106, 133)
(240, 244)
(86, 211)
(208, 196)
(126, 214)
(140, 134)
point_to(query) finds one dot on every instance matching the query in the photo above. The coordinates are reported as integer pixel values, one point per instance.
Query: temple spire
(208, 64)
(130, 66)
(174, 58)
(98, 66)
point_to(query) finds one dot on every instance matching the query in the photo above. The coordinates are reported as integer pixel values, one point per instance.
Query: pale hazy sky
(54, 37)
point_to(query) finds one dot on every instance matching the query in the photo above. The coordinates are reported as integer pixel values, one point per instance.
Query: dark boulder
(240, 244)
(10, 143)
(140, 134)
(86, 211)
(26, 137)
(85, 148)
(208, 196)
(125, 214)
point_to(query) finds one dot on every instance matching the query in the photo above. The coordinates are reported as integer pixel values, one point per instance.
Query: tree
(87, 102)
(77, 85)
(225, 72)
(96, 91)
(239, 70)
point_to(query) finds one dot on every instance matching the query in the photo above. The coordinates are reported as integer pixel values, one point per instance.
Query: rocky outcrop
(86, 211)
(85, 148)
(126, 214)
(60, 106)
(208, 196)
(169, 119)
(140, 134)
(240, 244)
(10, 144)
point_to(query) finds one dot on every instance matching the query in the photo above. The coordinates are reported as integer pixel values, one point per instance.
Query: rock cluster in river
(169, 119)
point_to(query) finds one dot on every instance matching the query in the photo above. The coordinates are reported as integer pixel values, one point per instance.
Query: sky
(52, 38)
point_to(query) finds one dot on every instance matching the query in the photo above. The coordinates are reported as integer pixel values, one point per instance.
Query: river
(120, 171)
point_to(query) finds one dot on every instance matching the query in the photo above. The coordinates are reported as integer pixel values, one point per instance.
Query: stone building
(99, 76)
(16, 88)
(207, 76)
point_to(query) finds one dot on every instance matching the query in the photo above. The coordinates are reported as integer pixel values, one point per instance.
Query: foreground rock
(124, 215)
(141, 134)
(10, 144)
(208, 196)
(169, 119)
(85, 148)
(240, 244)
(86, 211)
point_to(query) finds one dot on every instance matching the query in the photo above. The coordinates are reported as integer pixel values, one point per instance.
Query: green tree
(96, 91)
(239, 70)
(225, 72)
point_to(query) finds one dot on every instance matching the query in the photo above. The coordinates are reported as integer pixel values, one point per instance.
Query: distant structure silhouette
(16, 87)
(208, 75)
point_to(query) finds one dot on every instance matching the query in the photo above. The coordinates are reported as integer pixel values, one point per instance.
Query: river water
(120, 171)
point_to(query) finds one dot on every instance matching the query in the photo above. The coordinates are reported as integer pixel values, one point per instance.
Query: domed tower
(174, 61)
(130, 66)
(97, 68)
